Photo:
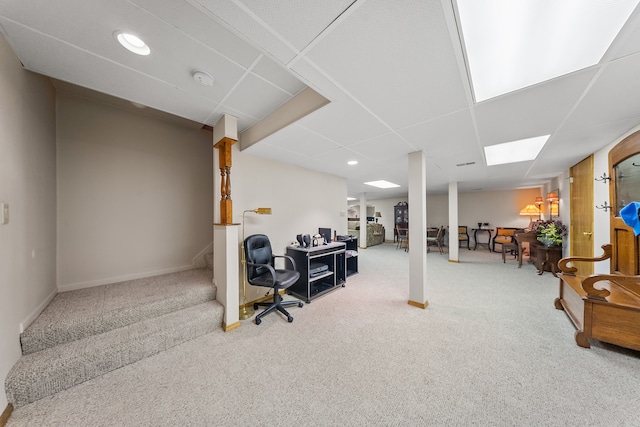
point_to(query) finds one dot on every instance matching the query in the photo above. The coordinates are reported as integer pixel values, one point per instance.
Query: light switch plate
(4, 213)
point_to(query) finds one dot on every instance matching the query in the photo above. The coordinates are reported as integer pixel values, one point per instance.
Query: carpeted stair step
(49, 371)
(81, 313)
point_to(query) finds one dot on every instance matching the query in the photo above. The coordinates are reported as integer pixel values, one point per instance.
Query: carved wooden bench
(605, 307)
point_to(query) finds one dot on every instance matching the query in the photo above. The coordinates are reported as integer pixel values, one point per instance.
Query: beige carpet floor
(489, 350)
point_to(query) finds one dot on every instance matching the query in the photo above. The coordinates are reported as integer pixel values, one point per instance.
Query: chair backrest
(462, 233)
(505, 231)
(257, 250)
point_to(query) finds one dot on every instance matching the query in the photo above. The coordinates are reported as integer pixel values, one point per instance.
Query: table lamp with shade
(530, 211)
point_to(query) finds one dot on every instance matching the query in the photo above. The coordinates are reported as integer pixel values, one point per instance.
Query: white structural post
(362, 242)
(453, 223)
(417, 230)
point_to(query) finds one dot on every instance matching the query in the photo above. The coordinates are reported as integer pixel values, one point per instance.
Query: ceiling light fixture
(515, 151)
(512, 44)
(132, 43)
(382, 184)
(203, 78)
(352, 162)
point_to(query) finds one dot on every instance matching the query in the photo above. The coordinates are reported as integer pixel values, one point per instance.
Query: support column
(226, 273)
(362, 241)
(417, 230)
(226, 263)
(453, 223)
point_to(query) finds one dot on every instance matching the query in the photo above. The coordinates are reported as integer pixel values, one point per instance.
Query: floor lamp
(246, 310)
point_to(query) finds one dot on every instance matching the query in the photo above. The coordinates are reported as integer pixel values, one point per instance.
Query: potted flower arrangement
(550, 233)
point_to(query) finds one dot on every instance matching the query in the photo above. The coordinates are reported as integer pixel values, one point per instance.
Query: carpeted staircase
(86, 333)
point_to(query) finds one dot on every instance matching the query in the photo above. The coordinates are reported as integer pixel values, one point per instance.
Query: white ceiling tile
(533, 111)
(301, 140)
(384, 147)
(343, 122)
(298, 22)
(254, 97)
(609, 99)
(247, 27)
(118, 81)
(441, 134)
(278, 76)
(201, 27)
(397, 60)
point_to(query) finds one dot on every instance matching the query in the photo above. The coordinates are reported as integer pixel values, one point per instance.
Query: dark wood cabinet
(401, 218)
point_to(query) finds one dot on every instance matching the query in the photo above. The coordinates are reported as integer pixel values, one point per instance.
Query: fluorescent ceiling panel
(515, 151)
(511, 44)
(382, 184)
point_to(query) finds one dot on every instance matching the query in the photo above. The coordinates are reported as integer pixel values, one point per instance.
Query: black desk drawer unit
(322, 269)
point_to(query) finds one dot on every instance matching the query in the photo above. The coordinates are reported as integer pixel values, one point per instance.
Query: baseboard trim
(100, 282)
(4, 418)
(35, 313)
(419, 304)
(230, 327)
(454, 260)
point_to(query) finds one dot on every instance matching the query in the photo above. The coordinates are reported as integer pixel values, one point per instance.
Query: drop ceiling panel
(344, 122)
(630, 42)
(439, 135)
(116, 80)
(398, 61)
(173, 58)
(276, 153)
(580, 143)
(236, 16)
(203, 28)
(299, 22)
(533, 111)
(255, 97)
(384, 147)
(309, 73)
(277, 75)
(301, 140)
(609, 99)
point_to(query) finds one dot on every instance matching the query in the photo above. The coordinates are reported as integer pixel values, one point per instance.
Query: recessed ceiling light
(512, 44)
(515, 151)
(349, 199)
(382, 184)
(352, 162)
(132, 43)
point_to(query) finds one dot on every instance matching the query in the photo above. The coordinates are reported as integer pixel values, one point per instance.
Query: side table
(548, 257)
(475, 237)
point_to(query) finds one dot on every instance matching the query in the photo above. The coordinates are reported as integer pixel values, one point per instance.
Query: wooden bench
(605, 307)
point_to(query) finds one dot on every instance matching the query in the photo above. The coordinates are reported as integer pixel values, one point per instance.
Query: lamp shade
(530, 210)
(378, 215)
(552, 197)
(539, 201)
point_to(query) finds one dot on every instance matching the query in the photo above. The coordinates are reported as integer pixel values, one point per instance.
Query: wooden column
(224, 155)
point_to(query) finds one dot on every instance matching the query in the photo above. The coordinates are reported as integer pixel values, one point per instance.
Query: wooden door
(581, 230)
(624, 159)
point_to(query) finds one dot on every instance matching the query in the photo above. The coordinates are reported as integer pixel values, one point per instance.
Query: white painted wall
(301, 200)
(134, 193)
(498, 208)
(28, 184)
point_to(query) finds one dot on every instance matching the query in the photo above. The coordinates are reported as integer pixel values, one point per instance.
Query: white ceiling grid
(393, 71)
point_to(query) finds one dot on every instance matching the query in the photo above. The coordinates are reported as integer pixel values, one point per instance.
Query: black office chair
(261, 271)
